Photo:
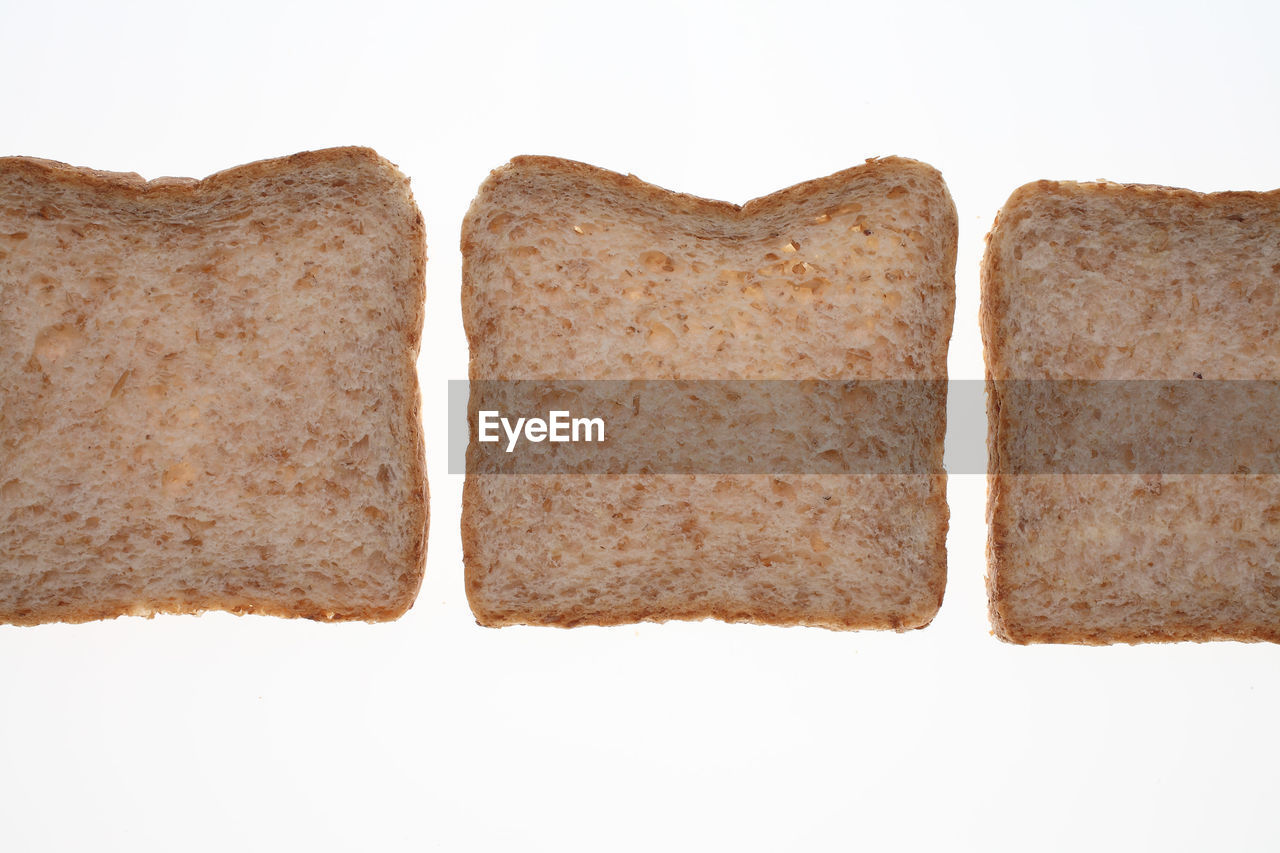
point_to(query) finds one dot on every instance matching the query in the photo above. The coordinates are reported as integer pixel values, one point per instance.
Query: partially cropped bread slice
(208, 395)
(576, 273)
(1112, 282)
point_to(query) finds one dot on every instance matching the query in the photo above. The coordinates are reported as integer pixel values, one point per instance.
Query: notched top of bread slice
(846, 276)
(576, 273)
(208, 395)
(1121, 282)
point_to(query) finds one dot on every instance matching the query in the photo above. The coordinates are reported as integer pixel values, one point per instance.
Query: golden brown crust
(1126, 194)
(170, 188)
(76, 615)
(182, 199)
(415, 565)
(773, 214)
(670, 200)
(991, 306)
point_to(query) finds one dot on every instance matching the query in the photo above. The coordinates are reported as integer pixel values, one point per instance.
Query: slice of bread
(1130, 284)
(575, 273)
(208, 393)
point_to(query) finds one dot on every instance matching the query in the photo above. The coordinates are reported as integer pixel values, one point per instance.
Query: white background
(226, 733)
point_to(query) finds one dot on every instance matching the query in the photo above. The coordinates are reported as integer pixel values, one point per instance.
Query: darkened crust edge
(166, 188)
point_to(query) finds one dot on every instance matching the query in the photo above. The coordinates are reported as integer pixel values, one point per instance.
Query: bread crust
(201, 203)
(702, 219)
(1000, 282)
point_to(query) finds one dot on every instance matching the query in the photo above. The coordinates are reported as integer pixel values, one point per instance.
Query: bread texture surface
(208, 392)
(571, 272)
(1129, 283)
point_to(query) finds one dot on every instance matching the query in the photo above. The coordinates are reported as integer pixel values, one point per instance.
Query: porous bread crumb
(572, 272)
(208, 397)
(1107, 281)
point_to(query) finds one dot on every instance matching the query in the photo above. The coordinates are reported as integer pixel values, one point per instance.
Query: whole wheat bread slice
(576, 273)
(1131, 284)
(208, 394)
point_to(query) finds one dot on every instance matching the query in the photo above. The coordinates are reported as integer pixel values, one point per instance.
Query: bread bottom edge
(1132, 637)
(530, 618)
(80, 614)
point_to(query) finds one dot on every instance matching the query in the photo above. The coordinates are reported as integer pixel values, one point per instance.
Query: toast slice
(208, 393)
(576, 273)
(1131, 288)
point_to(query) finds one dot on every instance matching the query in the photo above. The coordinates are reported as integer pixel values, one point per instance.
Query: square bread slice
(576, 273)
(208, 394)
(1131, 285)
